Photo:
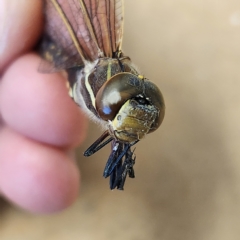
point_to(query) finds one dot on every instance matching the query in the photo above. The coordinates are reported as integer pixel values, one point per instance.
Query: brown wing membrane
(78, 31)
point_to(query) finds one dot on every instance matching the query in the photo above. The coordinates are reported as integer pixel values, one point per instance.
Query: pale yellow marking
(48, 56)
(109, 70)
(119, 54)
(70, 29)
(141, 77)
(90, 90)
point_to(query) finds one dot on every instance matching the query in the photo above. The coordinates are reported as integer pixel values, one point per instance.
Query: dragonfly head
(132, 105)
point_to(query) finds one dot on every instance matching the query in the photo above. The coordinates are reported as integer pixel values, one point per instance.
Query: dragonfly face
(84, 38)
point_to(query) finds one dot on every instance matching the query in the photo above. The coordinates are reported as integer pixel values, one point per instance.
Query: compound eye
(115, 92)
(124, 86)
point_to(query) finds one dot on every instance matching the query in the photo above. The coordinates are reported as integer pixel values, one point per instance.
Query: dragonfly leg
(127, 169)
(119, 165)
(98, 144)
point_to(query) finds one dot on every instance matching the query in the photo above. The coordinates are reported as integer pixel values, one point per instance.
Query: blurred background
(187, 183)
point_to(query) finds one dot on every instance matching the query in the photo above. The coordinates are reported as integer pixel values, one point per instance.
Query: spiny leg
(117, 168)
(127, 169)
(98, 144)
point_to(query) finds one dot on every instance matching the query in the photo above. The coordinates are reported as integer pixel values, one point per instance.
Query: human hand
(39, 123)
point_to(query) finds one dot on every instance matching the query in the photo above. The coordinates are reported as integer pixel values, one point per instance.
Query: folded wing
(78, 31)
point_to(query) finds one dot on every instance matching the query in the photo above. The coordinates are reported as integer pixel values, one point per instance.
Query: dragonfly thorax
(125, 103)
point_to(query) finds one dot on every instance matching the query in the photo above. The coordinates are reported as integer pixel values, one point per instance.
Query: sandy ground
(188, 172)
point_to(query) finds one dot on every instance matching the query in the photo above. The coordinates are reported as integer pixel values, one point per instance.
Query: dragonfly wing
(107, 22)
(78, 31)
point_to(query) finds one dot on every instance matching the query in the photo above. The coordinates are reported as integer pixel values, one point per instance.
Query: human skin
(39, 123)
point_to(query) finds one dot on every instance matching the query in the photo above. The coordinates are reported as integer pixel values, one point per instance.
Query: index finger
(21, 22)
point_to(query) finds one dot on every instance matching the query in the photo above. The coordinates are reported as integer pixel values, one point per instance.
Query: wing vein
(90, 27)
(70, 29)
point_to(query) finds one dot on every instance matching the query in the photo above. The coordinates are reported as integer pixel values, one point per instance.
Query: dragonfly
(84, 38)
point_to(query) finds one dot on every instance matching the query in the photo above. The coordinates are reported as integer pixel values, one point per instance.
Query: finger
(38, 106)
(34, 176)
(21, 22)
